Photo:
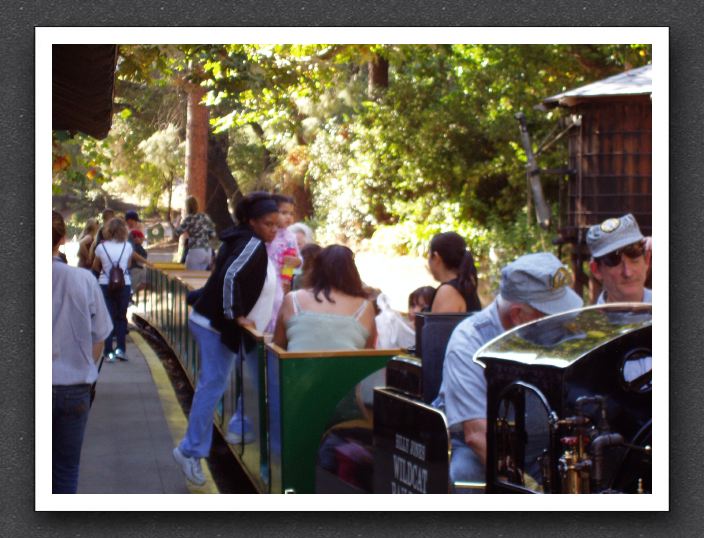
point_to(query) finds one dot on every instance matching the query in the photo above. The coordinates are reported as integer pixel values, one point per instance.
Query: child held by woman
(283, 252)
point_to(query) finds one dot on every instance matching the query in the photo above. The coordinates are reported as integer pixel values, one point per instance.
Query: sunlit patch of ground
(396, 276)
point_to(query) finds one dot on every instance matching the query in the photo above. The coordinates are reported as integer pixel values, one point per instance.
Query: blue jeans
(465, 465)
(239, 423)
(70, 405)
(216, 361)
(117, 304)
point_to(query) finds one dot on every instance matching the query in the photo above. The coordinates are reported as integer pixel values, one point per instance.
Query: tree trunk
(196, 145)
(168, 205)
(378, 70)
(222, 189)
(269, 160)
(303, 199)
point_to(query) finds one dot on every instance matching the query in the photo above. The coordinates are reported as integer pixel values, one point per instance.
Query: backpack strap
(109, 258)
(121, 253)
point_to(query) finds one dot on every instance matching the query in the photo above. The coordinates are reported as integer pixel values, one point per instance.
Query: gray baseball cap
(613, 234)
(541, 281)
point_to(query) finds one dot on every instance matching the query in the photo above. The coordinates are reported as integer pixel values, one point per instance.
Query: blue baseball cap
(613, 234)
(132, 215)
(541, 281)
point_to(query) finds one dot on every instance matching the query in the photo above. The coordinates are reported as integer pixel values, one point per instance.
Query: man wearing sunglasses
(619, 260)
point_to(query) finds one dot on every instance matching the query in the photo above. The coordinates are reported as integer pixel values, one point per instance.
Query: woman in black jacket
(239, 293)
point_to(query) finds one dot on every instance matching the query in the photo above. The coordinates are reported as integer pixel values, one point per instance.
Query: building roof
(637, 81)
(83, 81)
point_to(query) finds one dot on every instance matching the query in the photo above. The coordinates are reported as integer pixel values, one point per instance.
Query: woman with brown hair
(85, 240)
(333, 313)
(116, 251)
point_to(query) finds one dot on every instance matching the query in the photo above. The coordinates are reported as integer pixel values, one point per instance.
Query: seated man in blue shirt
(531, 286)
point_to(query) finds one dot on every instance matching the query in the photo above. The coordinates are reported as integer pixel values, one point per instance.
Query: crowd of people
(268, 274)
(89, 308)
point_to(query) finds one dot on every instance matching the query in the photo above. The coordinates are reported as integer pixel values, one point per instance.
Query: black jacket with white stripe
(235, 283)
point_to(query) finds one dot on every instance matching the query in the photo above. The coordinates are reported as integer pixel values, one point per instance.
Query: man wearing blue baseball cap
(531, 287)
(619, 260)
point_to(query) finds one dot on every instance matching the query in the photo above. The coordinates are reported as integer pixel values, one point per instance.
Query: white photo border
(658, 37)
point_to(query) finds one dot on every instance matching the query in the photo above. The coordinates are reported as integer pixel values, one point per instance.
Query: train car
(566, 410)
(286, 399)
(346, 461)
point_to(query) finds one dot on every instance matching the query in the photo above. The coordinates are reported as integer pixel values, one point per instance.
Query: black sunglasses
(632, 251)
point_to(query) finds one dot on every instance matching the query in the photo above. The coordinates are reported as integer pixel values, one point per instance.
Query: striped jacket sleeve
(231, 283)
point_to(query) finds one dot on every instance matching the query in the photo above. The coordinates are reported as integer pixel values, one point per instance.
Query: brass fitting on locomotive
(575, 465)
(581, 468)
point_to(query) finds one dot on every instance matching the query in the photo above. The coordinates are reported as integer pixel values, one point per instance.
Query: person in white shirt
(116, 251)
(80, 323)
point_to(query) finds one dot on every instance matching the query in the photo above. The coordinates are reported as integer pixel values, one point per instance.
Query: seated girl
(333, 312)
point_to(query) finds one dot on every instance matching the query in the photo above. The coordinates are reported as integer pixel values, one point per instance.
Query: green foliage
(164, 156)
(76, 165)
(438, 149)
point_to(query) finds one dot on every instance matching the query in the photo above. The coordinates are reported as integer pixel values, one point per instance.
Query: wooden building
(83, 84)
(610, 157)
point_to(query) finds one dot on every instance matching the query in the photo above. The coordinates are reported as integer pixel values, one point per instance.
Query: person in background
(106, 216)
(85, 240)
(452, 265)
(138, 273)
(283, 251)
(133, 221)
(620, 260)
(531, 287)
(419, 300)
(308, 253)
(239, 293)
(393, 331)
(115, 250)
(200, 230)
(303, 233)
(80, 323)
(333, 313)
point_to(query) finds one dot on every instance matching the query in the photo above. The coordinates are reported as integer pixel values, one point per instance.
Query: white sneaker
(191, 467)
(234, 438)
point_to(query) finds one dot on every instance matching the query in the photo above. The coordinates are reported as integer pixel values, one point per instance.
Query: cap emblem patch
(561, 278)
(610, 225)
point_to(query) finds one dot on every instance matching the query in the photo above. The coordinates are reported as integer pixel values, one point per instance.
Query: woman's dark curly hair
(254, 205)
